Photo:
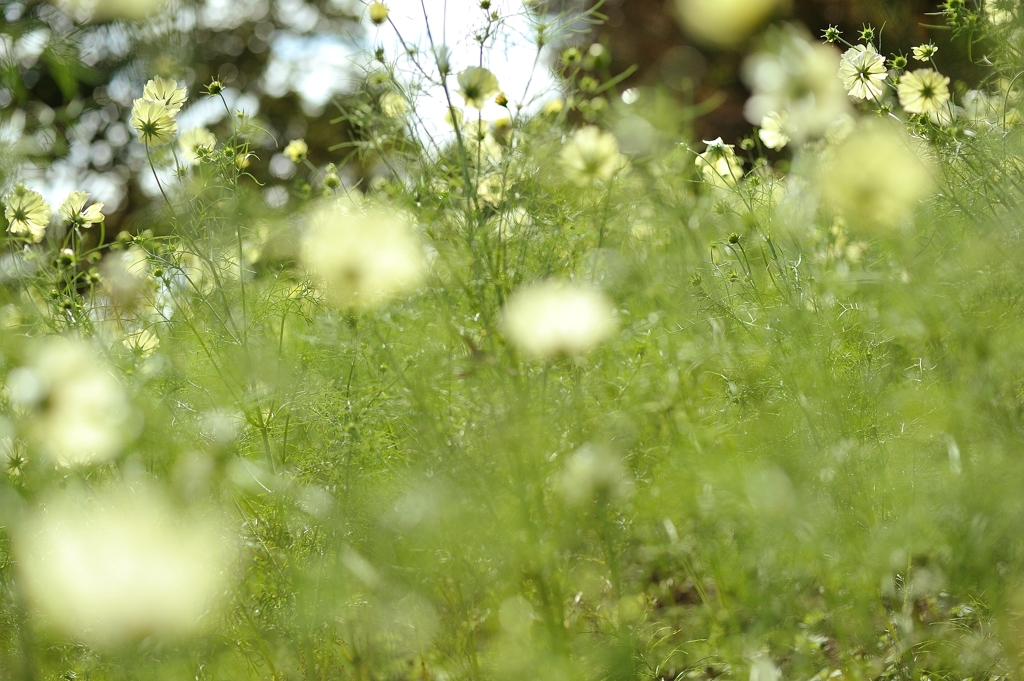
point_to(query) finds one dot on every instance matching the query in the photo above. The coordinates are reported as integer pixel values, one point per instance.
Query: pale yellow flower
(724, 22)
(796, 78)
(167, 92)
(552, 318)
(153, 121)
(27, 213)
(925, 52)
(923, 91)
(591, 155)
(378, 13)
(115, 565)
(999, 11)
(774, 130)
(143, 342)
(875, 177)
(362, 257)
(393, 105)
(477, 85)
(863, 72)
(75, 213)
(296, 150)
(79, 409)
(192, 141)
(719, 165)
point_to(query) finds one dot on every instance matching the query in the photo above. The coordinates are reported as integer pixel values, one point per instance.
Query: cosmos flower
(795, 78)
(477, 85)
(774, 130)
(153, 121)
(192, 141)
(591, 155)
(393, 105)
(167, 92)
(925, 52)
(115, 565)
(719, 165)
(863, 71)
(362, 257)
(552, 319)
(27, 213)
(296, 150)
(75, 213)
(923, 91)
(378, 13)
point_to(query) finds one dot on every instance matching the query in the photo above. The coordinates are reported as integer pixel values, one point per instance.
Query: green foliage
(796, 454)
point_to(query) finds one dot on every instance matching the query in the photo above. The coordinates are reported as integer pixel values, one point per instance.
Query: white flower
(362, 257)
(192, 141)
(143, 342)
(27, 213)
(925, 52)
(863, 72)
(796, 77)
(121, 566)
(923, 91)
(79, 410)
(774, 130)
(999, 11)
(591, 155)
(153, 121)
(393, 105)
(594, 474)
(553, 318)
(167, 92)
(477, 86)
(875, 177)
(719, 165)
(74, 212)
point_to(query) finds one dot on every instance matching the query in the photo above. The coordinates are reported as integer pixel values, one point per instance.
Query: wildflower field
(495, 371)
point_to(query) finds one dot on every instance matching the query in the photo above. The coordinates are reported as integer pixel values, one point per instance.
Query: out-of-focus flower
(113, 9)
(119, 565)
(143, 342)
(923, 91)
(27, 213)
(724, 22)
(555, 106)
(167, 92)
(393, 105)
(999, 11)
(875, 177)
(925, 52)
(477, 85)
(774, 130)
(194, 143)
(153, 121)
(863, 72)
(492, 189)
(719, 165)
(454, 117)
(78, 410)
(591, 155)
(795, 77)
(75, 213)
(378, 13)
(296, 150)
(125, 275)
(593, 474)
(553, 318)
(363, 257)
